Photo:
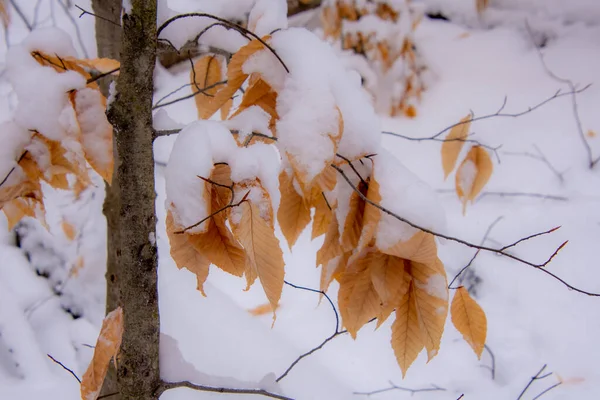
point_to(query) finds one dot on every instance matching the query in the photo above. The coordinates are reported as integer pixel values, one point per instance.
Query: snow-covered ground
(475, 63)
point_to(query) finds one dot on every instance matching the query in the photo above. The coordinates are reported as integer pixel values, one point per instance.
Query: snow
(267, 16)
(532, 318)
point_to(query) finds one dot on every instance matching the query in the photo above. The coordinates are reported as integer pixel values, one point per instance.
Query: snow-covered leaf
(453, 143)
(473, 174)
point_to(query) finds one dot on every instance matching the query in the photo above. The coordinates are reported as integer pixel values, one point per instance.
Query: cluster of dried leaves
(476, 168)
(407, 278)
(62, 164)
(383, 54)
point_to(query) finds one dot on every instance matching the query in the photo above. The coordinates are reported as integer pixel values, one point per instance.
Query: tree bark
(108, 44)
(138, 374)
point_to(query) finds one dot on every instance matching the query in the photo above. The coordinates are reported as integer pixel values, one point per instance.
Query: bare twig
(522, 194)
(540, 157)
(12, 169)
(228, 206)
(77, 30)
(530, 237)
(461, 396)
(64, 367)
(102, 75)
(21, 15)
(433, 388)
(166, 132)
(487, 232)
(499, 114)
(591, 161)
(336, 332)
(537, 377)
(84, 12)
(547, 390)
(492, 368)
(539, 266)
(243, 31)
(203, 92)
(164, 386)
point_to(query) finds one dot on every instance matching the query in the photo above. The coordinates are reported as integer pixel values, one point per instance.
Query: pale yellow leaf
(407, 337)
(473, 174)
(107, 348)
(354, 220)
(263, 251)
(371, 216)
(323, 215)
(333, 269)
(331, 245)
(469, 319)
(293, 214)
(453, 143)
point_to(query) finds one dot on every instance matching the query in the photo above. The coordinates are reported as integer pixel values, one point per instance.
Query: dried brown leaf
(473, 174)
(207, 71)
(419, 248)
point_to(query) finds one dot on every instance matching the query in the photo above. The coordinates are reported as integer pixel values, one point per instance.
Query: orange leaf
(259, 94)
(107, 347)
(354, 220)
(331, 245)
(219, 246)
(469, 319)
(293, 214)
(235, 78)
(473, 174)
(407, 338)
(262, 249)
(358, 299)
(372, 214)
(185, 255)
(431, 299)
(207, 71)
(68, 229)
(453, 143)
(323, 215)
(419, 248)
(260, 310)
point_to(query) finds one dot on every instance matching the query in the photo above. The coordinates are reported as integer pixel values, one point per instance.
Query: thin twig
(493, 367)
(164, 386)
(228, 206)
(22, 15)
(539, 267)
(537, 377)
(245, 32)
(102, 75)
(523, 194)
(12, 169)
(547, 390)
(433, 388)
(530, 237)
(498, 114)
(487, 232)
(77, 30)
(203, 91)
(336, 332)
(166, 132)
(574, 104)
(64, 367)
(84, 12)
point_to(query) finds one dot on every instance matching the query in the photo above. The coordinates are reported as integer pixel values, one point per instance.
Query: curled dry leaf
(185, 254)
(473, 174)
(469, 319)
(107, 347)
(453, 143)
(407, 337)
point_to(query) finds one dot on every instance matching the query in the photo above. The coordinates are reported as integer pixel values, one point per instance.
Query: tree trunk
(131, 116)
(108, 44)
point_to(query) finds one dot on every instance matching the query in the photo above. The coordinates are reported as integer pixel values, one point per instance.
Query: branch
(574, 104)
(64, 367)
(493, 367)
(189, 95)
(102, 75)
(336, 332)
(489, 229)
(433, 388)
(164, 386)
(539, 267)
(12, 169)
(243, 31)
(498, 113)
(538, 377)
(166, 132)
(523, 194)
(540, 157)
(84, 12)
(21, 15)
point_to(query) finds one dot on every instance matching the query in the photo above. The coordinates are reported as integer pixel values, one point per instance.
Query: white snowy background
(474, 63)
